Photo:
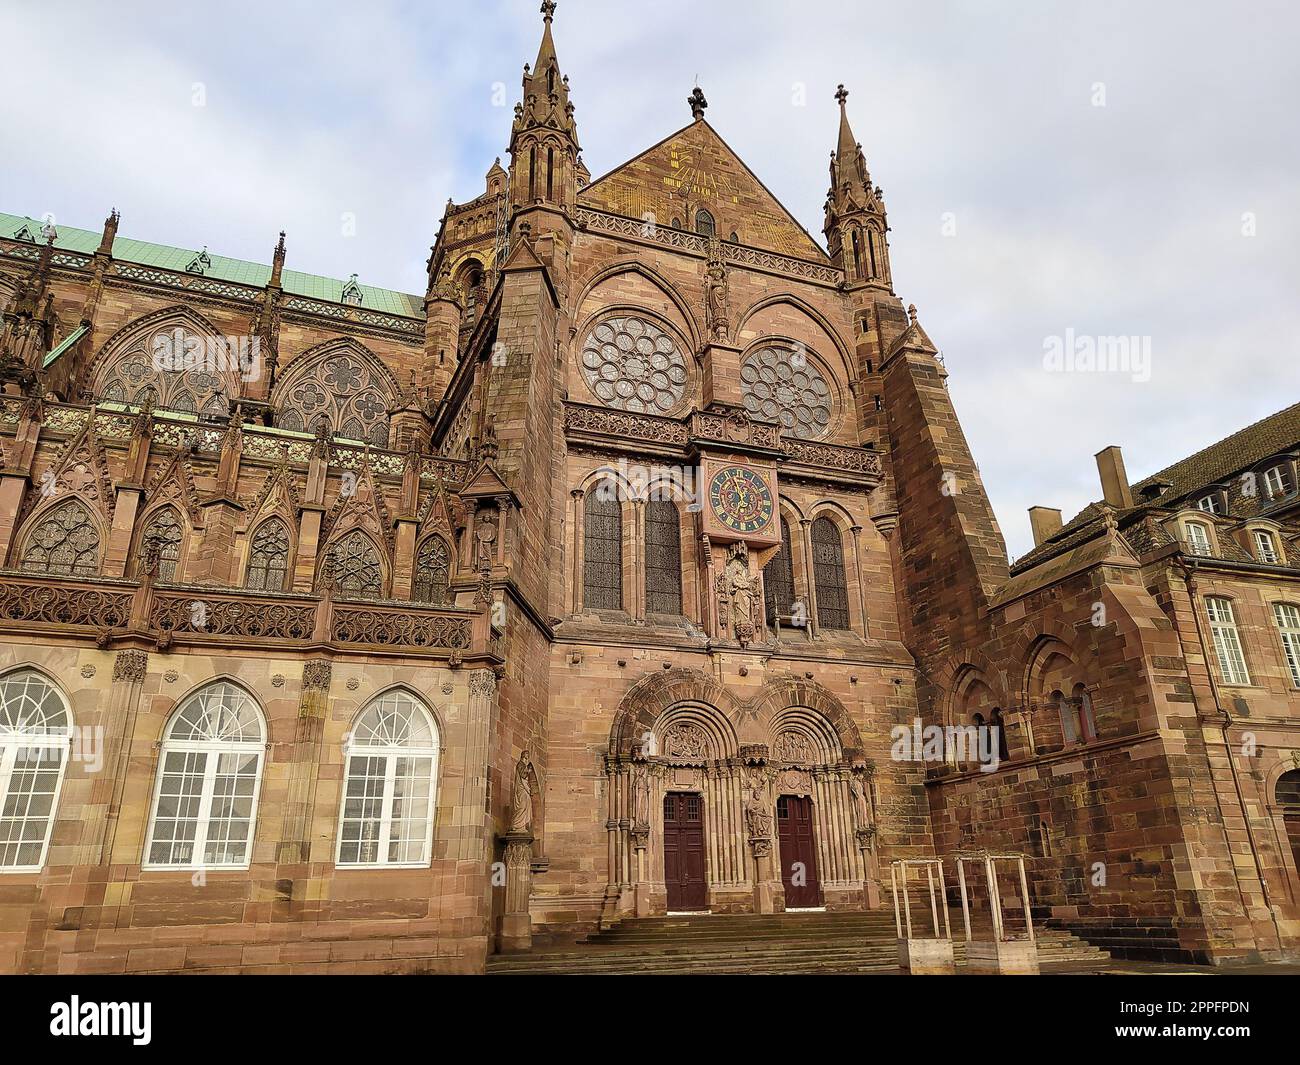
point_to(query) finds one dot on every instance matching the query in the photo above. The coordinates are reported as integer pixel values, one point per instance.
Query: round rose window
(781, 385)
(632, 364)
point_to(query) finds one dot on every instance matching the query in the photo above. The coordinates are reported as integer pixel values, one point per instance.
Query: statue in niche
(715, 293)
(521, 799)
(739, 595)
(485, 536)
(758, 815)
(861, 801)
(640, 798)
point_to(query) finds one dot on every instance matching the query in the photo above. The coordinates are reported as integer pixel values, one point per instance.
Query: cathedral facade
(348, 630)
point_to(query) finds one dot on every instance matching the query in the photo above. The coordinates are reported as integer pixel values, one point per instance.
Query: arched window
(35, 735)
(165, 530)
(65, 541)
(663, 558)
(778, 579)
(210, 771)
(828, 575)
(704, 224)
(432, 572)
(356, 569)
(1287, 793)
(602, 545)
(268, 557)
(388, 795)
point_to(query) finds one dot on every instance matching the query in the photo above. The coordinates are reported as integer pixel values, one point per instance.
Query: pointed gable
(696, 168)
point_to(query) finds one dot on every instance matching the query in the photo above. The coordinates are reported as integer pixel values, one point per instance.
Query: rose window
(632, 364)
(780, 385)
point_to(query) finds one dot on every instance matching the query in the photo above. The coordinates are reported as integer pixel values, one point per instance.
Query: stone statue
(757, 816)
(640, 798)
(861, 802)
(715, 293)
(521, 800)
(741, 593)
(485, 533)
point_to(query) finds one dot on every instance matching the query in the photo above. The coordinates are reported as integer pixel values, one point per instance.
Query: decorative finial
(841, 94)
(548, 9)
(697, 103)
(911, 312)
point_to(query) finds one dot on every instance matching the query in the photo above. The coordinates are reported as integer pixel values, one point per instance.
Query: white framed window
(1227, 644)
(35, 739)
(1287, 616)
(1276, 482)
(209, 776)
(1198, 538)
(390, 778)
(1265, 546)
(1210, 504)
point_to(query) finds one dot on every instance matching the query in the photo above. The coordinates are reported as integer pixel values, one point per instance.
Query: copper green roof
(222, 268)
(64, 345)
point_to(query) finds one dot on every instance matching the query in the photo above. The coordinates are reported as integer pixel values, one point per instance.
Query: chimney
(1045, 522)
(1114, 481)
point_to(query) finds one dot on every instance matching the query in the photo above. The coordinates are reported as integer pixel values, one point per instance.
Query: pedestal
(1006, 957)
(517, 922)
(765, 892)
(926, 957)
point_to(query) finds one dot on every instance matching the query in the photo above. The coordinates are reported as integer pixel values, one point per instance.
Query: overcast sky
(1102, 165)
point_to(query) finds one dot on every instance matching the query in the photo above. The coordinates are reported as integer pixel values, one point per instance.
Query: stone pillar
(517, 922)
(810, 574)
(721, 376)
(579, 559)
(294, 848)
(129, 670)
(118, 550)
(473, 844)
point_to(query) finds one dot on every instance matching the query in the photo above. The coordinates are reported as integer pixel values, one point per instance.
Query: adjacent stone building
(348, 630)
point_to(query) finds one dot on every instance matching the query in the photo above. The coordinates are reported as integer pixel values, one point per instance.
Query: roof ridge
(1220, 442)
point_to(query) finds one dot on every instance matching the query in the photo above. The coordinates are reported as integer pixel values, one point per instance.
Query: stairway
(758, 944)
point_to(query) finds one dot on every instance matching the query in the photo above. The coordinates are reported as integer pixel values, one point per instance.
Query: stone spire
(544, 139)
(855, 211)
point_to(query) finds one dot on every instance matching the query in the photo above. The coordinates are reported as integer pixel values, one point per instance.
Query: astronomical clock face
(740, 499)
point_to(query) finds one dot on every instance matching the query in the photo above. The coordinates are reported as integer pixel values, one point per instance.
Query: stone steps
(791, 944)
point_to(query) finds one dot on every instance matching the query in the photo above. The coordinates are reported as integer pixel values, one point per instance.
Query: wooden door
(794, 825)
(684, 851)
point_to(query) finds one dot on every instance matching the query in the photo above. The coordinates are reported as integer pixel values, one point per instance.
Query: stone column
(129, 669)
(810, 576)
(517, 922)
(294, 849)
(579, 529)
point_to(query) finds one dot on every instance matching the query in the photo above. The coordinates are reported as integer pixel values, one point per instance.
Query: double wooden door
(684, 851)
(798, 845)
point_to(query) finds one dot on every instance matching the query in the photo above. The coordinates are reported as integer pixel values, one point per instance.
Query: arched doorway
(728, 807)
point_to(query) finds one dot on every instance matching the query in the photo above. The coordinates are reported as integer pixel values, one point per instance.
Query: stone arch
(804, 737)
(645, 701)
(178, 561)
(844, 366)
(783, 694)
(127, 365)
(343, 381)
(588, 285)
(28, 558)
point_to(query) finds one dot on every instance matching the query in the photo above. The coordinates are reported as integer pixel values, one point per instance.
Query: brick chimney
(1114, 481)
(1045, 523)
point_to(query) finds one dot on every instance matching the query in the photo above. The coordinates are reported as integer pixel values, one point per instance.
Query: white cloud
(1124, 219)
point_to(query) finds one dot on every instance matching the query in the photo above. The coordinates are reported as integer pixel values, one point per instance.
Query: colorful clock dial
(740, 499)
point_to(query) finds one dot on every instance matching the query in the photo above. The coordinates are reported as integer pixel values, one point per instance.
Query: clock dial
(740, 499)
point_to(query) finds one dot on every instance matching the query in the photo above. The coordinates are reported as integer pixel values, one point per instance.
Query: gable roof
(1217, 463)
(239, 271)
(697, 158)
